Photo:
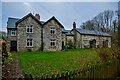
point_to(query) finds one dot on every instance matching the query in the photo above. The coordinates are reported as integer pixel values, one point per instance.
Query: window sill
(13, 36)
(29, 46)
(29, 32)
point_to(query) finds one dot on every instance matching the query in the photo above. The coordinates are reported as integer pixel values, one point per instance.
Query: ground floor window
(52, 42)
(29, 42)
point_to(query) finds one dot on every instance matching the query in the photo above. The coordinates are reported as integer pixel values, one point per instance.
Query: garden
(66, 63)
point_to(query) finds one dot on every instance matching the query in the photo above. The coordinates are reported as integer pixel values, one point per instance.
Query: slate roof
(11, 22)
(42, 22)
(92, 32)
(69, 33)
(63, 30)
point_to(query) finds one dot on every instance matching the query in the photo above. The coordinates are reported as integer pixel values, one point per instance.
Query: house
(31, 34)
(84, 38)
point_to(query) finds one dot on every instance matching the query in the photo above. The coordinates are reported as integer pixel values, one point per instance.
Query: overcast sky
(65, 12)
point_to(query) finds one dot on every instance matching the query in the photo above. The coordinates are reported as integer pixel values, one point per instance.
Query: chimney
(74, 25)
(75, 34)
(37, 16)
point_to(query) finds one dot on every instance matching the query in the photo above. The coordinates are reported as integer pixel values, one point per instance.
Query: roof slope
(91, 32)
(68, 33)
(11, 22)
(27, 17)
(53, 18)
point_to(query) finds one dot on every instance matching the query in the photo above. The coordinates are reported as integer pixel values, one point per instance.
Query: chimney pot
(74, 25)
(37, 16)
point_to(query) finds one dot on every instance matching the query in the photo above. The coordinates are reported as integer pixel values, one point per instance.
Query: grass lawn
(39, 63)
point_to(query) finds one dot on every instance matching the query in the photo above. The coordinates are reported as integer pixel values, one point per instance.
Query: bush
(29, 50)
(103, 54)
(69, 44)
(6, 55)
(116, 51)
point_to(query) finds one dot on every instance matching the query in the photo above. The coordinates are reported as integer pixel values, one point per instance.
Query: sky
(65, 12)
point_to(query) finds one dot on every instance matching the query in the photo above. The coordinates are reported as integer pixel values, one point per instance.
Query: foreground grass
(49, 63)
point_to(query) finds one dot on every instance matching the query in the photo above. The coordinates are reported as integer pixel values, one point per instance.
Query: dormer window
(13, 32)
(52, 30)
(29, 28)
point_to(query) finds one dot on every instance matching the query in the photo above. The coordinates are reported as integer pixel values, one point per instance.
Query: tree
(88, 25)
(119, 23)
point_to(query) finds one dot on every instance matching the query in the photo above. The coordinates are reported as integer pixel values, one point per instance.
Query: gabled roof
(91, 32)
(27, 17)
(53, 18)
(11, 22)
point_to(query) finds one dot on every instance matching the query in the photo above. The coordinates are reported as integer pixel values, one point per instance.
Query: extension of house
(31, 34)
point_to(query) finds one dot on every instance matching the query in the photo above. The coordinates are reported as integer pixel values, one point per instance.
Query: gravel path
(12, 70)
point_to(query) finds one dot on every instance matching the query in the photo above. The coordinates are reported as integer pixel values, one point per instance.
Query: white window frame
(52, 29)
(29, 42)
(13, 32)
(85, 42)
(52, 41)
(30, 26)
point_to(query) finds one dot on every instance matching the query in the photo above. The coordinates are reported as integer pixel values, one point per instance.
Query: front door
(13, 45)
(62, 45)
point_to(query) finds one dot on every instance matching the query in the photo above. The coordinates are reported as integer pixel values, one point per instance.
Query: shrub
(69, 44)
(116, 51)
(6, 55)
(103, 54)
(29, 50)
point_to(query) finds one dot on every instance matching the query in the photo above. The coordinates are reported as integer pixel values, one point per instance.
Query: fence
(104, 70)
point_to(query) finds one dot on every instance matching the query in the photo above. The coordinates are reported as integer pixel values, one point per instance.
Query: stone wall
(64, 38)
(47, 36)
(11, 38)
(22, 36)
(84, 40)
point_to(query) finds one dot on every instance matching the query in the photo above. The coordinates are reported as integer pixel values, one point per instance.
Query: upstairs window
(52, 30)
(29, 43)
(52, 43)
(29, 28)
(13, 32)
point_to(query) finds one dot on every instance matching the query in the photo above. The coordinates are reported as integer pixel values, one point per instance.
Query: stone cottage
(31, 34)
(84, 38)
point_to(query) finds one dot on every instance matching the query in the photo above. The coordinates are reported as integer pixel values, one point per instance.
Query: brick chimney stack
(74, 25)
(37, 16)
(75, 34)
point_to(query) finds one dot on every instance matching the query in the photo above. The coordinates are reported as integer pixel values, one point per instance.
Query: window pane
(30, 43)
(27, 43)
(30, 30)
(27, 29)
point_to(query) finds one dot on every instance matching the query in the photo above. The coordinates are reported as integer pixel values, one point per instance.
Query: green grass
(39, 63)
